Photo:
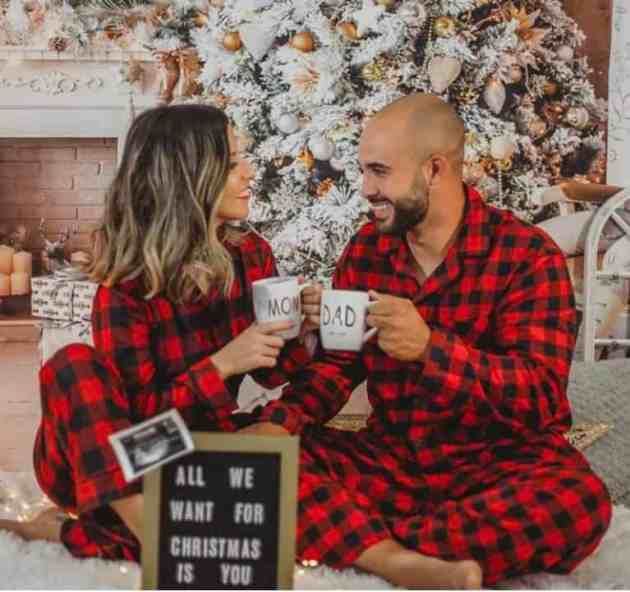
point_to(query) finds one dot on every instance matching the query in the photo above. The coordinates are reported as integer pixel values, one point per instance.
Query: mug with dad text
(342, 324)
(279, 299)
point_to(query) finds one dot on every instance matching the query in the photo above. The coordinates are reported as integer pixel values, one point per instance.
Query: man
(463, 475)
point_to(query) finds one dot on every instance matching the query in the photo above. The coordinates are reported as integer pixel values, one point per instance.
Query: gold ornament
(348, 30)
(200, 19)
(554, 162)
(169, 74)
(113, 31)
(553, 111)
(386, 3)
(468, 95)
(473, 172)
(232, 41)
(536, 128)
(551, 88)
(324, 187)
(372, 72)
(444, 26)
(306, 158)
(303, 41)
(504, 164)
(58, 43)
(489, 165)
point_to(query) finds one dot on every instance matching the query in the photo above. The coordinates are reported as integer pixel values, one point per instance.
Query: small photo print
(147, 445)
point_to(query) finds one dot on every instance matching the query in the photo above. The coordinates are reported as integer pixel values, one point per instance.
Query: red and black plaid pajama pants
(513, 516)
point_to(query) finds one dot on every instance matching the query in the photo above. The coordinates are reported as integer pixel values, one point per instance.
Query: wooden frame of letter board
(287, 447)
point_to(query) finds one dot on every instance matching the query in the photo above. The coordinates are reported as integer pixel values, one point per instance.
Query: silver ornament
(288, 123)
(578, 117)
(321, 147)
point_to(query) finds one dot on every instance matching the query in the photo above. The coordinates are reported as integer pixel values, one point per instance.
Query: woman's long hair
(160, 221)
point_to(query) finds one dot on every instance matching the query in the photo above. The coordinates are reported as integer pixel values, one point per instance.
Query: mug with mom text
(342, 323)
(279, 299)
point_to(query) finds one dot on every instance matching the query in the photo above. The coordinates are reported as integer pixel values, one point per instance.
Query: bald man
(463, 475)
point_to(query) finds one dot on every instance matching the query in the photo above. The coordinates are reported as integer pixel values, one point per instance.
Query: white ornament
(337, 164)
(443, 71)
(321, 147)
(495, 95)
(502, 148)
(288, 123)
(565, 53)
(258, 38)
(578, 117)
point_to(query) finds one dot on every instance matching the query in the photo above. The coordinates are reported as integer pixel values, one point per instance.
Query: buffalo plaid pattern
(464, 454)
(149, 356)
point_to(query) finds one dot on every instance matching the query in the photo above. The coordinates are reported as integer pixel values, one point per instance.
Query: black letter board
(222, 517)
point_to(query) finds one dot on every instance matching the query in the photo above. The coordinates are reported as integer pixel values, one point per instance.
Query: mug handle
(369, 334)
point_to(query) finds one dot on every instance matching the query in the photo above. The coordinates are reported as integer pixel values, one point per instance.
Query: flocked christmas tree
(300, 78)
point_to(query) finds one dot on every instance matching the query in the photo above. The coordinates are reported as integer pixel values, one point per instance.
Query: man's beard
(409, 211)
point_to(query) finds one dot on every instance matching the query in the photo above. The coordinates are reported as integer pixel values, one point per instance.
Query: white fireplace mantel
(48, 95)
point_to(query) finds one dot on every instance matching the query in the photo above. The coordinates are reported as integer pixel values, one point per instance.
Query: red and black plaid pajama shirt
(464, 454)
(149, 356)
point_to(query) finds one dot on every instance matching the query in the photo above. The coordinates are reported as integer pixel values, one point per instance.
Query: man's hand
(264, 429)
(311, 304)
(402, 332)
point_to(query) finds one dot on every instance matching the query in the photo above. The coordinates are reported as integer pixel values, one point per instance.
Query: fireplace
(62, 120)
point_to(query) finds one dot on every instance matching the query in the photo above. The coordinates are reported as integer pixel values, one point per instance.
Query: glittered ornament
(288, 123)
(565, 53)
(306, 158)
(58, 43)
(303, 41)
(200, 19)
(468, 95)
(169, 75)
(578, 117)
(190, 69)
(232, 41)
(321, 147)
(372, 72)
(444, 26)
(348, 30)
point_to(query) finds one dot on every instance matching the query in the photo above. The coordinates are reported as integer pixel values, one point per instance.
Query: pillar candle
(20, 283)
(6, 259)
(5, 285)
(23, 261)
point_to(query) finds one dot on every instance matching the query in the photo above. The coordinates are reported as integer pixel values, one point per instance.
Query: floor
(19, 364)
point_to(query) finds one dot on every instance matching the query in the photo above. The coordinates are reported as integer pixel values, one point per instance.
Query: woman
(173, 324)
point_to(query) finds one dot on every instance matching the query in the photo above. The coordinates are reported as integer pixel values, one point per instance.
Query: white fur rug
(40, 565)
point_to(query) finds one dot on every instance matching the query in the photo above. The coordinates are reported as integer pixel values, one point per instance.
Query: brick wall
(63, 181)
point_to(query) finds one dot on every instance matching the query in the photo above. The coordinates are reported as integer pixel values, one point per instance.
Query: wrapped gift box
(62, 299)
(56, 335)
(51, 298)
(82, 299)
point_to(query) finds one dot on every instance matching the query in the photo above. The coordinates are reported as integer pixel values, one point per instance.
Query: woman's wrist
(221, 365)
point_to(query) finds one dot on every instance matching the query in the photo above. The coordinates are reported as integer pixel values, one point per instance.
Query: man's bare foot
(409, 569)
(45, 526)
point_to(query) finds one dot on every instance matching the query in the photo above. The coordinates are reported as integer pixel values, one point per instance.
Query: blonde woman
(173, 324)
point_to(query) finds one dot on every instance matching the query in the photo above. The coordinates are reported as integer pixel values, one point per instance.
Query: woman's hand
(256, 347)
(311, 304)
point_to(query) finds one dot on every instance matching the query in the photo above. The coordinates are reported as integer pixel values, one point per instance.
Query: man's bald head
(430, 126)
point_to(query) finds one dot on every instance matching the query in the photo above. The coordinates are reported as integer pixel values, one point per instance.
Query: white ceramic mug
(279, 299)
(342, 323)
